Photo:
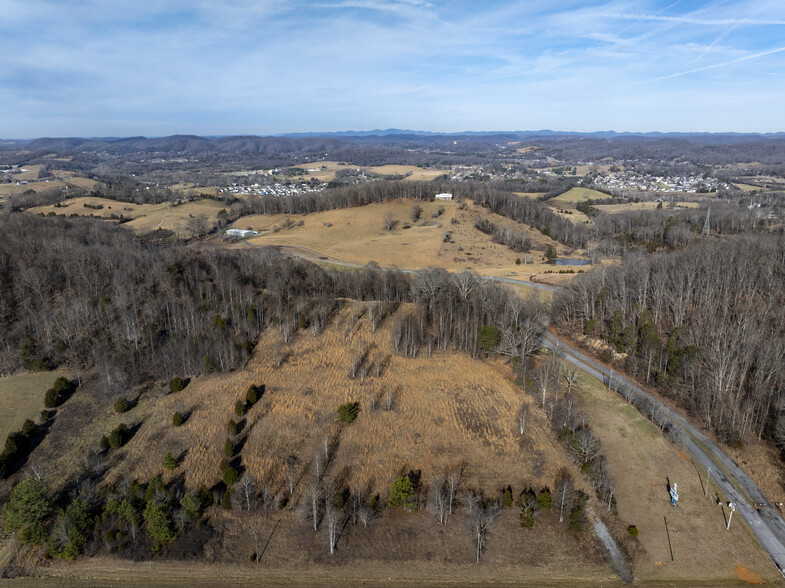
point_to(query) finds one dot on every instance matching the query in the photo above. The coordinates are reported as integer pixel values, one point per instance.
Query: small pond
(569, 261)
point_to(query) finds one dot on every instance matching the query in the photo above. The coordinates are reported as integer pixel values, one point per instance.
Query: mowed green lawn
(22, 397)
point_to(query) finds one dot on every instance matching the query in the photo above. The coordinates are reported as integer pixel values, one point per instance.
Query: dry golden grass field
(748, 187)
(643, 460)
(326, 174)
(529, 194)
(358, 235)
(572, 214)
(22, 397)
(448, 410)
(146, 217)
(574, 195)
(417, 173)
(632, 206)
(314, 170)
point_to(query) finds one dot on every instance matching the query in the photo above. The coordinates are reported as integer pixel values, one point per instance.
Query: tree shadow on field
(131, 432)
(240, 443)
(241, 424)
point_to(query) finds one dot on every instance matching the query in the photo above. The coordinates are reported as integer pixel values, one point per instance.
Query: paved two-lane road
(765, 521)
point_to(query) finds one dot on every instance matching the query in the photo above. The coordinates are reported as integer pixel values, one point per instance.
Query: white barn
(242, 233)
(443, 196)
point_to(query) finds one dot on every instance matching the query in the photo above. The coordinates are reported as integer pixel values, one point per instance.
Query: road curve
(765, 521)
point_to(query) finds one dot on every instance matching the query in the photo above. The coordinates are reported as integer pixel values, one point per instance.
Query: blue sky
(121, 68)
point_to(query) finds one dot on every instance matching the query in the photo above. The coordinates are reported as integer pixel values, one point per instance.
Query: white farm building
(242, 233)
(443, 196)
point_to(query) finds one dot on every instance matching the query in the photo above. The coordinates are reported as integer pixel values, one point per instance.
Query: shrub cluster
(17, 445)
(177, 384)
(55, 396)
(116, 438)
(121, 405)
(348, 412)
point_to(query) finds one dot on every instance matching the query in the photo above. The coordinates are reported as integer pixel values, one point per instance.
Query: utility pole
(708, 479)
(256, 542)
(706, 226)
(668, 533)
(732, 507)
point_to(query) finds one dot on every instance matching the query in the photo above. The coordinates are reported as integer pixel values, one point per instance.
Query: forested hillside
(160, 308)
(706, 325)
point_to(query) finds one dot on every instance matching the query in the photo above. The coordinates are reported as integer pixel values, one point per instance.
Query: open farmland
(410, 171)
(324, 171)
(22, 397)
(634, 206)
(358, 235)
(643, 461)
(144, 217)
(48, 185)
(577, 194)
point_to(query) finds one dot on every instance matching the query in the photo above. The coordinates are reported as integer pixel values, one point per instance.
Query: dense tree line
(673, 229)
(705, 325)
(515, 240)
(87, 293)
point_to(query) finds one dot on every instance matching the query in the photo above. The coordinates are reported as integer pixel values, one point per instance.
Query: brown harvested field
(146, 217)
(357, 235)
(22, 397)
(643, 461)
(632, 206)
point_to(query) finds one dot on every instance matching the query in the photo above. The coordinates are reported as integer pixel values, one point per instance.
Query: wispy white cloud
(234, 66)
(724, 63)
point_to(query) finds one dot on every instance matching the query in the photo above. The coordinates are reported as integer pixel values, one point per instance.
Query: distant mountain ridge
(199, 143)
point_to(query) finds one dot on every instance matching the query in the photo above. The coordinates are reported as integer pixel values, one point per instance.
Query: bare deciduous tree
(333, 516)
(244, 496)
(292, 464)
(563, 489)
(481, 518)
(312, 504)
(523, 416)
(438, 499)
(389, 222)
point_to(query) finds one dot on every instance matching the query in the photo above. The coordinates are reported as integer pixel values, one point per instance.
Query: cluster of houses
(688, 184)
(274, 190)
